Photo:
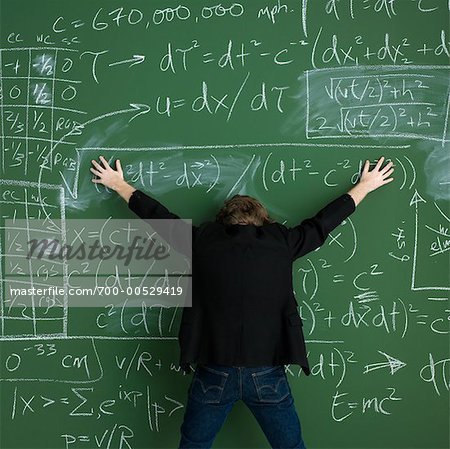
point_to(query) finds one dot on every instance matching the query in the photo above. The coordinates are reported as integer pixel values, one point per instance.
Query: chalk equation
(378, 102)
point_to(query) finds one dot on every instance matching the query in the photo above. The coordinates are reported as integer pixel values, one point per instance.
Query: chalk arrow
(392, 363)
(142, 108)
(136, 59)
(78, 129)
(137, 109)
(416, 199)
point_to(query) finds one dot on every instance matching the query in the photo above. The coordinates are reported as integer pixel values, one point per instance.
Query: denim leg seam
(240, 383)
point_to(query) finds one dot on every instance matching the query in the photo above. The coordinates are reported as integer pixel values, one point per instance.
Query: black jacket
(244, 311)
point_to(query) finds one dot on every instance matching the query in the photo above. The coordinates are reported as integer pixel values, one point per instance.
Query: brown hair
(243, 209)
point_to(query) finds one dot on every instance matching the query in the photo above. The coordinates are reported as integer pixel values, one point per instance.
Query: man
(244, 326)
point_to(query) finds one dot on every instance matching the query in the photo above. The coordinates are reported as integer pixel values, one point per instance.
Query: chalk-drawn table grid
(2, 130)
(31, 95)
(33, 315)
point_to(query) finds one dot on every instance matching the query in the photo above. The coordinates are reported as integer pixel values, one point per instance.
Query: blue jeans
(265, 390)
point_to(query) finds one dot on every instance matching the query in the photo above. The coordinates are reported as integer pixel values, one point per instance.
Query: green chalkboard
(281, 100)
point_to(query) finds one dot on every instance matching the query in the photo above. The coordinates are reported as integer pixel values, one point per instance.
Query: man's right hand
(371, 179)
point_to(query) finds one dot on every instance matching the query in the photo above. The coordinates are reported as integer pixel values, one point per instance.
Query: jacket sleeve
(176, 232)
(311, 233)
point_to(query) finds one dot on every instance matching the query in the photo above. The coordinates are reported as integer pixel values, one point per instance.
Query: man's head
(243, 209)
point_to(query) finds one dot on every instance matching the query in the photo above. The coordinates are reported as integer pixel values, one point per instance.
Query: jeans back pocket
(208, 384)
(271, 384)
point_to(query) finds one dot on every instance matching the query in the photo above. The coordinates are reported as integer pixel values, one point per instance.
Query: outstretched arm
(178, 233)
(311, 233)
